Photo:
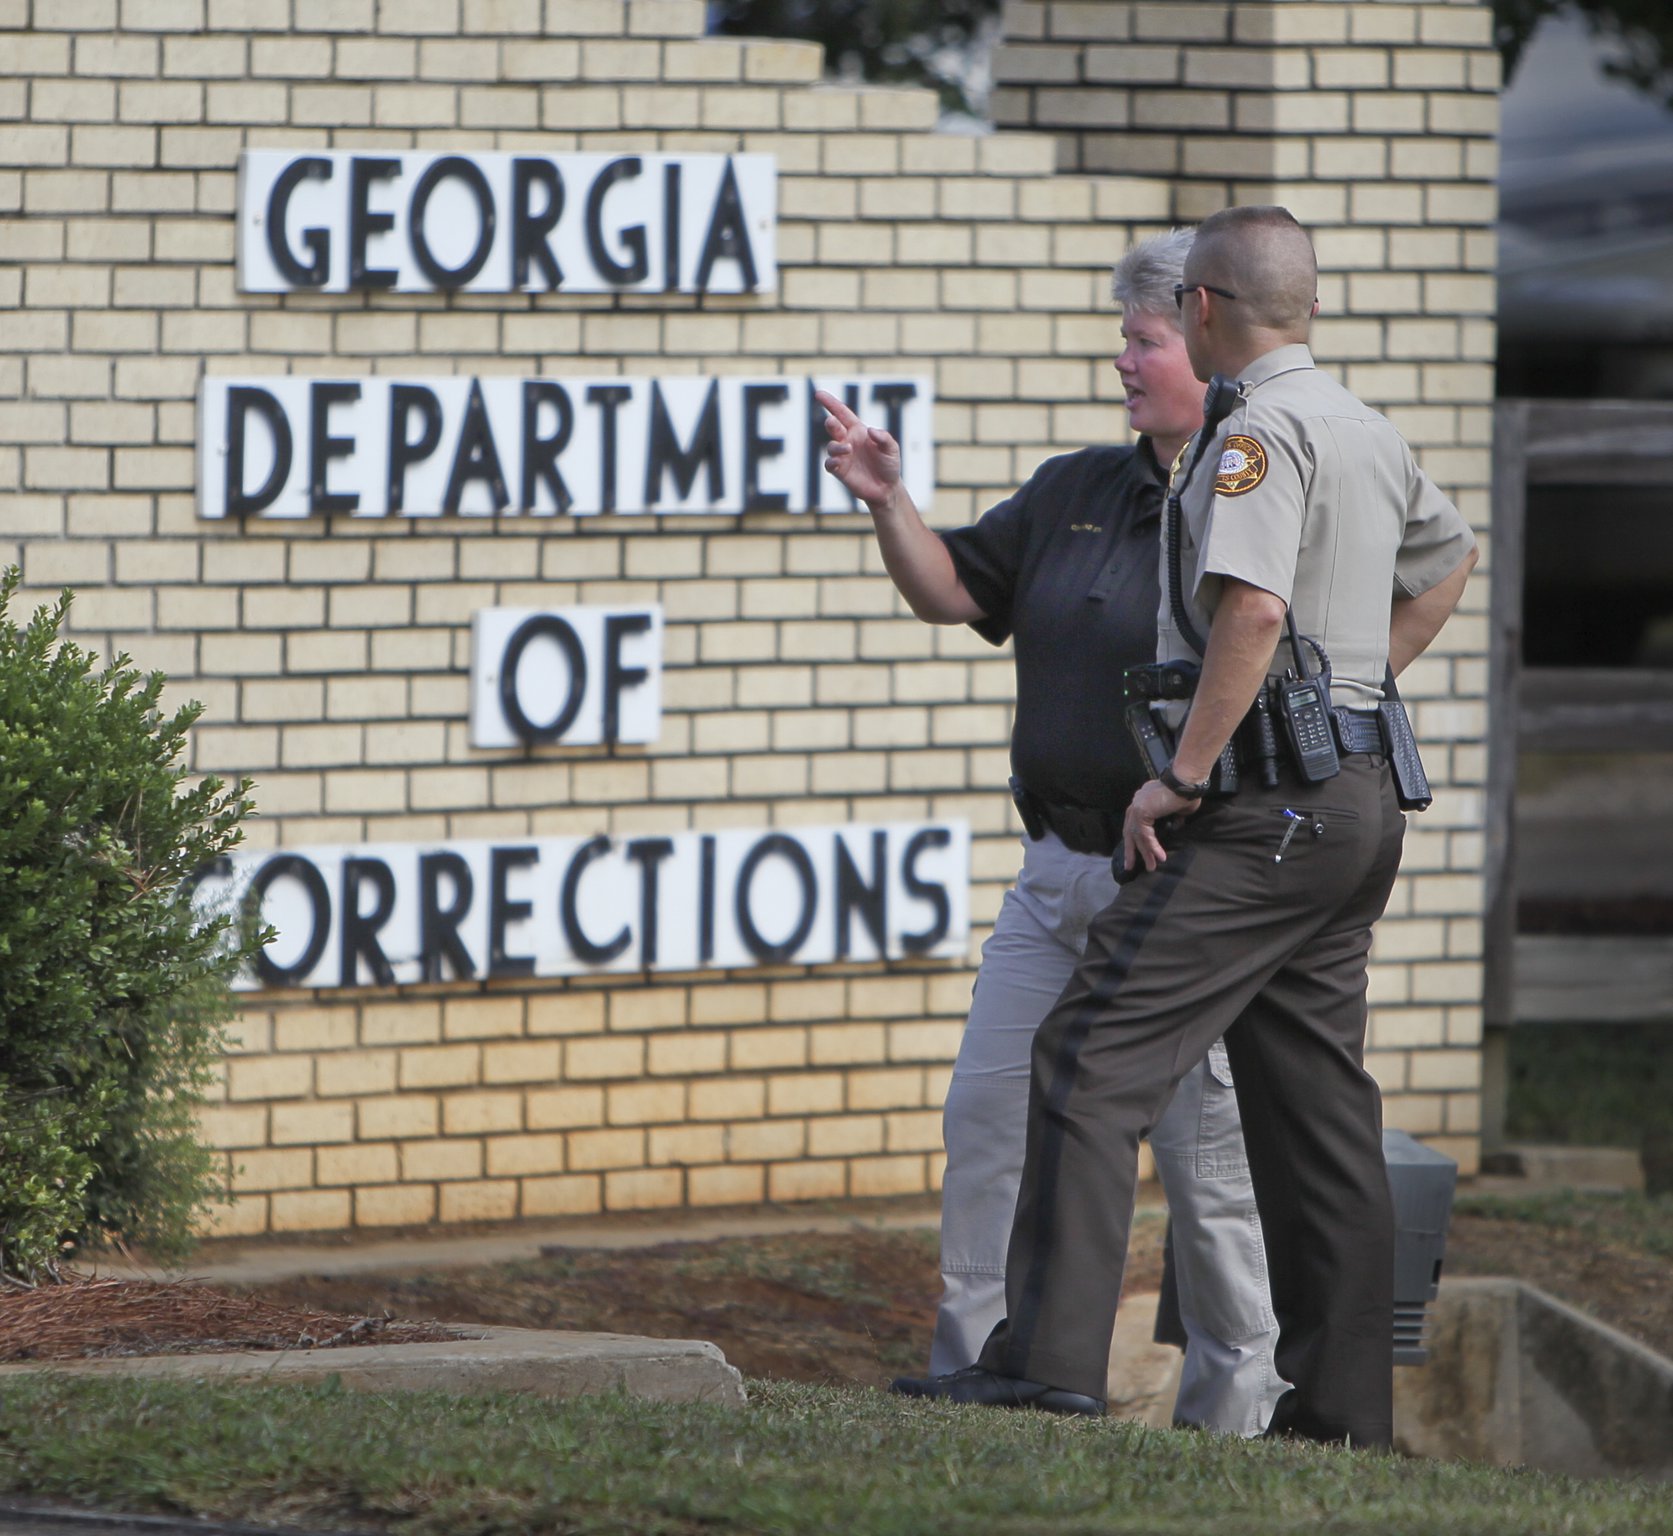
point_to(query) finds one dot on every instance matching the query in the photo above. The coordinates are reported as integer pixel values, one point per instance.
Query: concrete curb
(548, 1364)
(1518, 1378)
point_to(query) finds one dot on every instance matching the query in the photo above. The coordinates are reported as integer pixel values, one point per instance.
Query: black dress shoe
(975, 1385)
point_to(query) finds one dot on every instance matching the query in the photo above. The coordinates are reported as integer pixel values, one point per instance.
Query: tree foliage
(113, 994)
(915, 41)
(1639, 34)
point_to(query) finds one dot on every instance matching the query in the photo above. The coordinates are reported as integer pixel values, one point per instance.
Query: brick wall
(332, 655)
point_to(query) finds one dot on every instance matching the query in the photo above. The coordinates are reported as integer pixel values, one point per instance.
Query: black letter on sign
(313, 274)
(531, 231)
(607, 397)
(789, 848)
(617, 678)
(540, 454)
(502, 913)
(363, 223)
(893, 398)
(817, 442)
(568, 911)
(438, 926)
(638, 267)
(706, 900)
(323, 447)
(758, 448)
(671, 227)
(359, 938)
(241, 400)
(477, 185)
(934, 894)
(854, 895)
(728, 236)
(851, 398)
(576, 658)
(648, 853)
(476, 457)
(312, 881)
(664, 451)
(403, 452)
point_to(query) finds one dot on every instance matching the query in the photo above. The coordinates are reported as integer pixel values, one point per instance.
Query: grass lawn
(1601, 1085)
(800, 1458)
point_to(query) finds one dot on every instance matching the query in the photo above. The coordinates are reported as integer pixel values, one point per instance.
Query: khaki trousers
(1228, 938)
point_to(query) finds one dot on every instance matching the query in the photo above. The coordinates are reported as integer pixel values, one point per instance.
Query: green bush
(113, 994)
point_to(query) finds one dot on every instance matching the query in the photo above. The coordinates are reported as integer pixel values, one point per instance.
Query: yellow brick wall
(332, 655)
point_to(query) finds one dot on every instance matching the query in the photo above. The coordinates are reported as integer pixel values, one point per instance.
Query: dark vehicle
(1586, 221)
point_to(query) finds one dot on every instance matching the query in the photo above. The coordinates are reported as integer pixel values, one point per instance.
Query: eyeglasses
(1181, 289)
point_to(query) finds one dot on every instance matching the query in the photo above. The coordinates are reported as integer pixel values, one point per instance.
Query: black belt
(1080, 828)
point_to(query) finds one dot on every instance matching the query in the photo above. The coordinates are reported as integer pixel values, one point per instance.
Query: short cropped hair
(1144, 279)
(1265, 257)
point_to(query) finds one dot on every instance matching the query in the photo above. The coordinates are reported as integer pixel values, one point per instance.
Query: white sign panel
(291, 447)
(393, 914)
(572, 677)
(419, 222)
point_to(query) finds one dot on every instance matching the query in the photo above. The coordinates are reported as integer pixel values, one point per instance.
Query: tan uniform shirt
(1312, 495)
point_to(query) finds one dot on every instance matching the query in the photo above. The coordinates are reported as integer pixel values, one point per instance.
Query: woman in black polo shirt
(1067, 569)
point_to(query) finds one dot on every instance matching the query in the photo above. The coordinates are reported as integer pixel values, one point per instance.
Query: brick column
(1376, 124)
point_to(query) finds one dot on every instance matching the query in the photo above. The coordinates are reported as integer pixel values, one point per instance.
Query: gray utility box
(1422, 1182)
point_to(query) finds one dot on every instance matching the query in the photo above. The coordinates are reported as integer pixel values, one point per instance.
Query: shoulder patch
(1242, 466)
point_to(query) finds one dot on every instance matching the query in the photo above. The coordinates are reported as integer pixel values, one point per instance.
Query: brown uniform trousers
(1226, 938)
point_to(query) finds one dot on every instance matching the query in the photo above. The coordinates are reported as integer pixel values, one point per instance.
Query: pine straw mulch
(81, 1318)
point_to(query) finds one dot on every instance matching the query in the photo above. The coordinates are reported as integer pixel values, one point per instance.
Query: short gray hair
(1144, 278)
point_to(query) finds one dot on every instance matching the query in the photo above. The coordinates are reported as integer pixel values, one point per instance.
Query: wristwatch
(1180, 787)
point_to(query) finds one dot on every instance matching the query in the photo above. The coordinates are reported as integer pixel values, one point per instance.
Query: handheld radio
(1304, 707)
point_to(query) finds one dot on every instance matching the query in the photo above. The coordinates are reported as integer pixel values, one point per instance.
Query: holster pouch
(1150, 736)
(1257, 740)
(1031, 821)
(1223, 781)
(1411, 783)
(1156, 746)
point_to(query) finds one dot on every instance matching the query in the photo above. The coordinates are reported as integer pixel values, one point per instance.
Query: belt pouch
(1411, 783)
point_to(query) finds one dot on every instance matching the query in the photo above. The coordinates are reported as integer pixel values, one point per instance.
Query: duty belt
(1080, 828)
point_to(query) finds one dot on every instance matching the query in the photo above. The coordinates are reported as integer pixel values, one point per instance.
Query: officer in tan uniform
(1248, 914)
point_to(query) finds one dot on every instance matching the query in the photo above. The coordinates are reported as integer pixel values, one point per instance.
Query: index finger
(835, 407)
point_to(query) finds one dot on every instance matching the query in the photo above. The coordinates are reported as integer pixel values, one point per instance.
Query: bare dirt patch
(859, 1306)
(854, 1306)
(849, 1307)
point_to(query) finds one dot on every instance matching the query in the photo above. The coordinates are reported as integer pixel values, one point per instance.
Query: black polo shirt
(1067, 567)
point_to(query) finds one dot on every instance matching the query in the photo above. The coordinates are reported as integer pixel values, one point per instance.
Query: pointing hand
(865, 459)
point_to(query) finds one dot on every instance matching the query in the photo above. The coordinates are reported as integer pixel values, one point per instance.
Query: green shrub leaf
(113, 993)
